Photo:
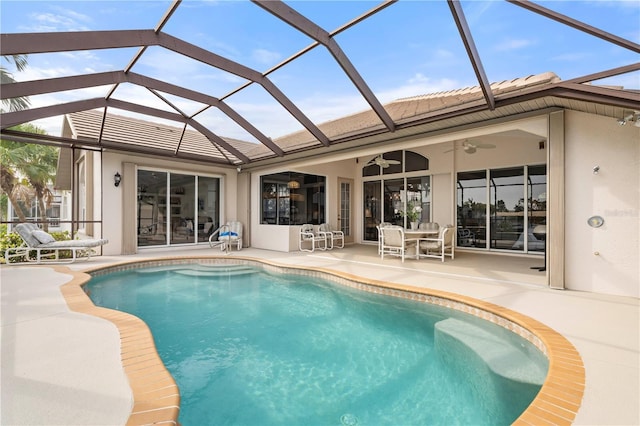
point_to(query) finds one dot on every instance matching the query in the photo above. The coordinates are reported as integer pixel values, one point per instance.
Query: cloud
(266, 57)
(513, 44)
(67, 20)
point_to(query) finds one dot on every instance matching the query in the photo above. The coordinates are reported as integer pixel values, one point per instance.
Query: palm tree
(11, 153)
(37, 163)
(40, 171)
(20, 61)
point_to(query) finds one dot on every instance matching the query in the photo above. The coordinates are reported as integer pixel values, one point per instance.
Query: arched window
(395, 162)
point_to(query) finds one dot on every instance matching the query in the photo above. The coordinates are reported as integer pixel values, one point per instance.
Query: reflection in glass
(472, 209)
(393, 201)
(182, 192)
(291, 198)
(372, 209)
(537, 216)
(208, 207)
(507, 208)
(152, 208)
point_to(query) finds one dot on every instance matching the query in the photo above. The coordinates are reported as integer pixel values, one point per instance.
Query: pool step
(501, 356)
(199, 270)
(218, 272)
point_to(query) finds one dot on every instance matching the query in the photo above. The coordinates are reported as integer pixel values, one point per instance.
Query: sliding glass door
(175, 208)
(503, 209)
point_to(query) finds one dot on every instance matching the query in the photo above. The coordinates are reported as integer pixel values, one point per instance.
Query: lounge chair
(38, 241)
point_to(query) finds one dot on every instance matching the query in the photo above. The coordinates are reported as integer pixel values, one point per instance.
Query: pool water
(250, 347)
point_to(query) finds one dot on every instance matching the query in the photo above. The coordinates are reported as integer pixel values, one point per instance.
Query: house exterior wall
(113, 197)
(606, 259)
(601, 260)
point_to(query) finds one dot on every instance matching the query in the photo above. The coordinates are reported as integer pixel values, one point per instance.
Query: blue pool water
(249, 347)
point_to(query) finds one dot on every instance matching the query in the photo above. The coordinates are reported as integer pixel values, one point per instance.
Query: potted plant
(413, 214)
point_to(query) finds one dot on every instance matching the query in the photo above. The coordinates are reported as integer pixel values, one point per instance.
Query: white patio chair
(309, 236)
(231, 236)
(394, 242)
(439, 247)
(332, 236)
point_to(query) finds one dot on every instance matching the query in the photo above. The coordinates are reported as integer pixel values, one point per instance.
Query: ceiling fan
(471, 147)
(382, 162)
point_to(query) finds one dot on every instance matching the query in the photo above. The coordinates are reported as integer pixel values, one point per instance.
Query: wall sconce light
(633, 116)
(596, 170)
(238, 169)
(117, 179)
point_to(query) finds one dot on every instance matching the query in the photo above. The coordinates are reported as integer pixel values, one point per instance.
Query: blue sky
(408, 49)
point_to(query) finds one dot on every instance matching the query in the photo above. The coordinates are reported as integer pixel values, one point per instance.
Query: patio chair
(394, 242)
(47, 249)
(331, 236)
(230, 234)
(309, 236)
(380, 236)
(428, 226)
(438, 247)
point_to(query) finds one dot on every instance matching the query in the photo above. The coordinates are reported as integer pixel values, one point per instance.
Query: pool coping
(156, 397)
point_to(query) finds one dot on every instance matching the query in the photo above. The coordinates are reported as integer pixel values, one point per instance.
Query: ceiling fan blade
(392, 162)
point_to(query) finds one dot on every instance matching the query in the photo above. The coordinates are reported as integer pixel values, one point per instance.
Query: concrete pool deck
(62, 367)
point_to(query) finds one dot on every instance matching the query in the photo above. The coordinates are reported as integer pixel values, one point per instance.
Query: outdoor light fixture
(596, 169)
(633, 116)
(116, 179)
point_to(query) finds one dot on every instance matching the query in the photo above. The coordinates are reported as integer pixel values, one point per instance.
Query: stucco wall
(113, 197)
(605, 259)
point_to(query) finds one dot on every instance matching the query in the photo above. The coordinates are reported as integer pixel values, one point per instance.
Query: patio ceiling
(375, 121)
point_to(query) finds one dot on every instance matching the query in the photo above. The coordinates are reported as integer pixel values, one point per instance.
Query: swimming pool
(376, 358)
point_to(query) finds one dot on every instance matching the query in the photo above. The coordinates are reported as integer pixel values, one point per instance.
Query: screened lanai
(276, 74)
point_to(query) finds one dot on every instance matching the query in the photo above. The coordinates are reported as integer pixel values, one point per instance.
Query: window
(395, 162)
(291, 198)
(387, 198)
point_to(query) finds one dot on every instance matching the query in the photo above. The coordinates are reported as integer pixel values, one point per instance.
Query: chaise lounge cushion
(42, 237)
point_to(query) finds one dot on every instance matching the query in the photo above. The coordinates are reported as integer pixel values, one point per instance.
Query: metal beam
(10, 119)
(12, 44)
(470, 46)
(315, 32)
(38, 87)
(578, 25)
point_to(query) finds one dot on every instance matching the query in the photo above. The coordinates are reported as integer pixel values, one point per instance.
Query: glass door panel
(181, 202)
(472, 209)
(537, 212)
(372, 209)
(208, 207)
(393, 201)
(507, 209)
(152, 208)
(419, 198)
